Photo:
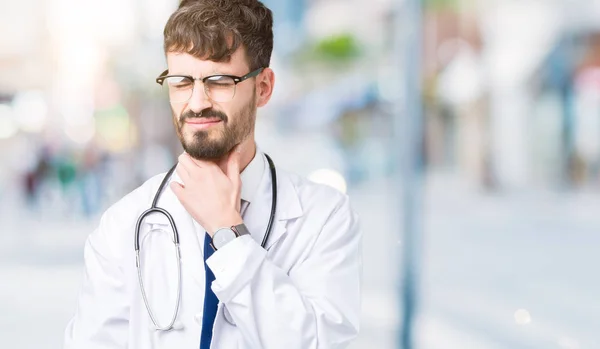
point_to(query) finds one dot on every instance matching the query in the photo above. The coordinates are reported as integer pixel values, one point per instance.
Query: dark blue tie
(210, 299)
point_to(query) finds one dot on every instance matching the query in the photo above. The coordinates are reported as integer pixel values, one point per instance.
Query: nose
(199, 101)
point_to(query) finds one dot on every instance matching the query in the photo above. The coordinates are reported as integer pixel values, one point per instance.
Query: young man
(232, 285)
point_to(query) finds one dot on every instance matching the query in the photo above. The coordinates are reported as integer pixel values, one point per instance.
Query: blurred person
(34, 178)
(30, 186)
(262, 258)
(90, 188)
(586, 99)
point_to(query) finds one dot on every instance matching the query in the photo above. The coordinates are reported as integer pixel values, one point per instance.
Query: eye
(219, 81)
(179, 82)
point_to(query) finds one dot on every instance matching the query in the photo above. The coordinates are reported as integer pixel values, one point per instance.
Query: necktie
(210, 299)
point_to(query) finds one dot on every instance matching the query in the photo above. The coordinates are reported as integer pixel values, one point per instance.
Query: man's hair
(215, 29)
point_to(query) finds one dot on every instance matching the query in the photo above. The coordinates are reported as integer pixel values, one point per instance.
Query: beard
(214, 144)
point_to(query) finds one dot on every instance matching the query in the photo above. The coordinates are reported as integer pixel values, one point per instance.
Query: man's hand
(210, 196)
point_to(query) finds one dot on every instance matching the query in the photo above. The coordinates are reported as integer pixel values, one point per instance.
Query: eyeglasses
(219, 88)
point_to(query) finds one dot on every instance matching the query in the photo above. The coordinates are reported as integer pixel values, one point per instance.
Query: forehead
(186, 64)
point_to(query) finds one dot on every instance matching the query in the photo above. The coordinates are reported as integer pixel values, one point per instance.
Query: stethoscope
(155, 209)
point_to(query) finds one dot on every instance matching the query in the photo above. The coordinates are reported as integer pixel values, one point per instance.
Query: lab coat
(301, 291)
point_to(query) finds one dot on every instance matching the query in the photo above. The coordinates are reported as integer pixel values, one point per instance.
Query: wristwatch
(225, 235)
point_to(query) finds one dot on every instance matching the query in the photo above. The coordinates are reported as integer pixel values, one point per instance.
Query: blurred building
(490, 115)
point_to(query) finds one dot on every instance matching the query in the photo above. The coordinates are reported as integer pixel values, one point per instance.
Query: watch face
(222, 237)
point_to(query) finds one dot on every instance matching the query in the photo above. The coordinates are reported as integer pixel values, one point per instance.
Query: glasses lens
(178, 88)
(220, 88)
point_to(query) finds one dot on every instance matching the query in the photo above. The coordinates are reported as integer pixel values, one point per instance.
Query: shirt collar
(251, 176)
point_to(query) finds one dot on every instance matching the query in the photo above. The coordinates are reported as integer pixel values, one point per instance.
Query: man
(299, 288)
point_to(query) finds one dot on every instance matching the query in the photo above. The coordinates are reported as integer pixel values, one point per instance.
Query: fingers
(184, 167)
(182, 173)
(218, 184)
(177, 188)
(187, 162)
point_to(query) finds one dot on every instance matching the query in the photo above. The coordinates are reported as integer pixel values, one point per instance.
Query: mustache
(209, 113)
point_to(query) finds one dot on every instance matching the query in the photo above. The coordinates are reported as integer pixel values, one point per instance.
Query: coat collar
(258, 192)
(258, 213)
(251, 176)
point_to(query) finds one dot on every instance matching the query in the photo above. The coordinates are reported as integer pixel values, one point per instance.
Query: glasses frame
(236, 80)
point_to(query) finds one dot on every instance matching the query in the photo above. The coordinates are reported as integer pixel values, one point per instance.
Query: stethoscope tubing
(155, 209)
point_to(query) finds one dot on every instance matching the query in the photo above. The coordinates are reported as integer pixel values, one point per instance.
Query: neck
(248, 150)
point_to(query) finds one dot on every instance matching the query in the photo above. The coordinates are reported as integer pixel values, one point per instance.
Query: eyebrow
(216, 72)
(212, 73)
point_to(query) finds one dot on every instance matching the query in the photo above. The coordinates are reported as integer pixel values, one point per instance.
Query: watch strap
(240, 230)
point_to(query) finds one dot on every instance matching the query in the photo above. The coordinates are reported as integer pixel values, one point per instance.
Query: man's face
(208, 130)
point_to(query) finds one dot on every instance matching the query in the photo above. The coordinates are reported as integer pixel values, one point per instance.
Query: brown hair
(215, 29)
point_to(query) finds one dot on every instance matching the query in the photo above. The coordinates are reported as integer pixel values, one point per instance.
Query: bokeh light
(522, 317)
(329, 177)
(8, 126)
(30, 111)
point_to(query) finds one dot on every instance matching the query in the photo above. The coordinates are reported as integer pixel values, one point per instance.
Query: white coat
(302, 291)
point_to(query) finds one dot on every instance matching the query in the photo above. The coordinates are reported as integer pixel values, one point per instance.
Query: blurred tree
(441, 4)
(339, 47)
(331, 51)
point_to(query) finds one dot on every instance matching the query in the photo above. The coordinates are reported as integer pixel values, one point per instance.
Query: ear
(264, 86)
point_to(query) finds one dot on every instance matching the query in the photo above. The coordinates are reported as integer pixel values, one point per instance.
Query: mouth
(202, 123)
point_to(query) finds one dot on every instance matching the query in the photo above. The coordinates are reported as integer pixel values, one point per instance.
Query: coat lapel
(257, 215)
(192, 262)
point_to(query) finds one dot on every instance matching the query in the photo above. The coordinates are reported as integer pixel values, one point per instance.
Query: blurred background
(500, 193)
